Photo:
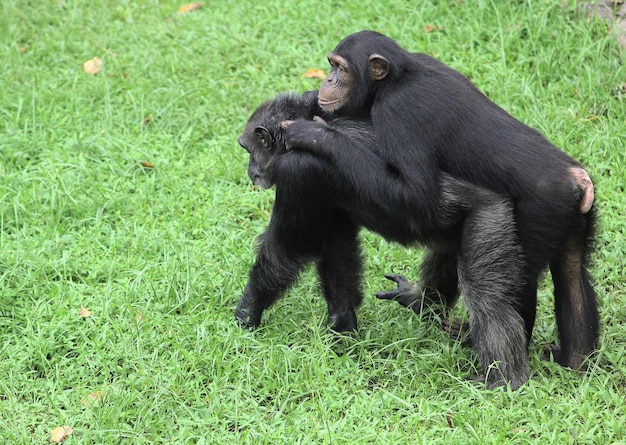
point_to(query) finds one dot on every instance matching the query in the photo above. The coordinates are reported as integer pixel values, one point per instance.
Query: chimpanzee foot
(554, 353)
(407, 294)
(489, 383)
(247, 316)
(458, 331)
(551, 352)
(343, 321)
(477, 381)
(496, 380)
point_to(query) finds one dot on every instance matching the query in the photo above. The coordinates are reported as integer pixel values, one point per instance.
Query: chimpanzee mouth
(259, 181)
(323, 102)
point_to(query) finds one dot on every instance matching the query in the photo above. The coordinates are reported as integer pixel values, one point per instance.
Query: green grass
(83, 223)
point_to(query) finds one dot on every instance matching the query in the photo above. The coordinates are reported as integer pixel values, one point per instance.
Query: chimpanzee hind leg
(340, 272)
(490, 264)
(575, 300)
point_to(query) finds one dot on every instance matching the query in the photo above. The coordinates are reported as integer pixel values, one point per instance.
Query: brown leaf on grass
(93, 398)
(190, 7)
(449, 419)
(60, 433)
(430, 28)
(93, 66)
(84, 312)
(146, 164)
(314, 73)
(138, 316)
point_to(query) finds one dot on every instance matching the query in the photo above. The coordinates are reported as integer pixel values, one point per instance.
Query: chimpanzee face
(263, 135)
(261, 145)
(345, 87)
(336, 91)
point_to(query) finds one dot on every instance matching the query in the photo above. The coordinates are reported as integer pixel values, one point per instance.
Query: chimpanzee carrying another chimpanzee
(412, 150)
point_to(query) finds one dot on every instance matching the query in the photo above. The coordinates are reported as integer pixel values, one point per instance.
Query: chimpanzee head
(264, 138)
(357, 65)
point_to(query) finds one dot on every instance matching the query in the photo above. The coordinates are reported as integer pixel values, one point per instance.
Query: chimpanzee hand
(407, 294)
(303, 134)
(248, 315)
(410, 296)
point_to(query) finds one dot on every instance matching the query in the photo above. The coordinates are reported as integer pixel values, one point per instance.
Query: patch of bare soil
(614, 12)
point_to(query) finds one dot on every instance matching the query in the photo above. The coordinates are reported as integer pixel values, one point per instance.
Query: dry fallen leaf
(60, 433)
(84, 312)
(93, 398)
(190, 7)
(93, 66)
(430, 28)
(449, 419)
(138, 316)
(314, 73)
(146, 164)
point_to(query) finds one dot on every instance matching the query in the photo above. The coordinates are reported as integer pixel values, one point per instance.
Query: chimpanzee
(319, 209)
(429, 120)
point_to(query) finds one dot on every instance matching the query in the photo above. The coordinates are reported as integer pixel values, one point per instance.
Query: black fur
(323, 199)
(430, 120)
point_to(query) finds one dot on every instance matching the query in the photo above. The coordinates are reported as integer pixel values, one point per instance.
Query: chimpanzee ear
(264, 136)
(379, 67)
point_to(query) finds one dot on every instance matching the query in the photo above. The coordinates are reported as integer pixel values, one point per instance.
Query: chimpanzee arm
(300, 226)
(350, 147)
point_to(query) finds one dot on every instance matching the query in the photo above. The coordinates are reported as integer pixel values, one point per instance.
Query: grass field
(126, 193)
